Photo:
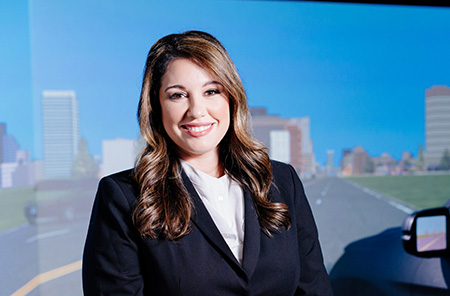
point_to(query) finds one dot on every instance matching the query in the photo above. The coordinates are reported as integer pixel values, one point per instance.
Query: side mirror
(425, 233)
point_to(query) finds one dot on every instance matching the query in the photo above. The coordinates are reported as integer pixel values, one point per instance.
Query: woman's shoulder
(121, 182)
(125, 177)
(285, 177)
(281, 169)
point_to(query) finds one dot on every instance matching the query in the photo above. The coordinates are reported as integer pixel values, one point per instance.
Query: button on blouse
(224, 200)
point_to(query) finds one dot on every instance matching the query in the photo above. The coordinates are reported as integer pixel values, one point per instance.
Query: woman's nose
(197, 107)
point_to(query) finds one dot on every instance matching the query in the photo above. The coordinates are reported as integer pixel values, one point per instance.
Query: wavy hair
(164, 206)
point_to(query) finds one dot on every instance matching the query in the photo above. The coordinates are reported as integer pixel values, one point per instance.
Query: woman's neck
(207, 163)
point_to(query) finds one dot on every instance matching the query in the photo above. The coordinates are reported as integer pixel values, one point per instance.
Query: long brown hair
(164, 206)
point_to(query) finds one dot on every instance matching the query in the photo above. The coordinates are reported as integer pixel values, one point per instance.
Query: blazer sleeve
(313, 275)
(110, 259)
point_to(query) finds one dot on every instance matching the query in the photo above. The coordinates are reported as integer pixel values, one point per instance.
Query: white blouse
(224, 200)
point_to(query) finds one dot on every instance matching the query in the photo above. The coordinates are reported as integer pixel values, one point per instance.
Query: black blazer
(118, 261)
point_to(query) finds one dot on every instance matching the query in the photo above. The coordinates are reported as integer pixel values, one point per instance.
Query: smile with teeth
(198, 130)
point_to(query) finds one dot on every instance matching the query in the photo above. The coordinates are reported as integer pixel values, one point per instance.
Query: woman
(204, 211)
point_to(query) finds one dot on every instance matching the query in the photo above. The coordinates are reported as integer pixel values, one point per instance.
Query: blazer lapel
(206, 225)
(252, 236)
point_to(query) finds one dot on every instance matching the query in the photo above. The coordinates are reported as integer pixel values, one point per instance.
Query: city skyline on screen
(359, 71)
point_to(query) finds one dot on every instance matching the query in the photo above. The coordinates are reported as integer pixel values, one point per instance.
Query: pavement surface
(346, 212)
(433, 242)
(44, 259)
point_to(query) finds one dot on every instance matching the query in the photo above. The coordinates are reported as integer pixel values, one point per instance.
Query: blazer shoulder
(286, 182)
(283, 172)
(280, 166)
(123, 181)
(125, 177)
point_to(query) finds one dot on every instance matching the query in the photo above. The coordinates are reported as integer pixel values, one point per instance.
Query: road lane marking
(14, 229)
(371, 192)
(401, 207)
(389, 200)
(327, 187)
(47, 235)
(47, 276)
(424, 248)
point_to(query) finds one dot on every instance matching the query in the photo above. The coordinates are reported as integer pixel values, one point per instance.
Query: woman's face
(195, 109)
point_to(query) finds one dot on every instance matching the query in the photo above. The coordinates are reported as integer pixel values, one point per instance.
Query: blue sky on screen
(358, 71)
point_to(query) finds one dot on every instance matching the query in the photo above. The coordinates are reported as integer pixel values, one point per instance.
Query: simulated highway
(44, 259)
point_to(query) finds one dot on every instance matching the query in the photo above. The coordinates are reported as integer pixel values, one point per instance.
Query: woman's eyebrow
(212, 82)
(174, 86)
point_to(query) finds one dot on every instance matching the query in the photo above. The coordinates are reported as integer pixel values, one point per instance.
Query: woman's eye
(212, 92)
(176, 96)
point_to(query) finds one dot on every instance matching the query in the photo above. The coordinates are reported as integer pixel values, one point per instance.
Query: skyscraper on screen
(61, 132)
(437, 124)
(288, 139)
(2, 135)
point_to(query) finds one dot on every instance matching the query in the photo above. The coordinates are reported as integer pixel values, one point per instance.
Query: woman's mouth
(197, 130)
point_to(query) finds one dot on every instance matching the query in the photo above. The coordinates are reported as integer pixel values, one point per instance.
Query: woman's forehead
(184, 70)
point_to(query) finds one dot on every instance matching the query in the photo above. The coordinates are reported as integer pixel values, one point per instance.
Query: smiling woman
(195, 113)
(205, 211)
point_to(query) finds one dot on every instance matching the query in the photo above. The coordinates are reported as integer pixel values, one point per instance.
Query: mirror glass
(431, 233)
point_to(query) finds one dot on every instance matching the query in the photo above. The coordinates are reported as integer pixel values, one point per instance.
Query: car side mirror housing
(426, 233)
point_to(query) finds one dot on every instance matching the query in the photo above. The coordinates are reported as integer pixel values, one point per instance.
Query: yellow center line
(47, 276)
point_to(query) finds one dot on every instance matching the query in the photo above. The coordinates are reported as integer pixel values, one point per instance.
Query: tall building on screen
(2, 135)
(61, 132)
(437, 124)
(118, 155)
(288, 139)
